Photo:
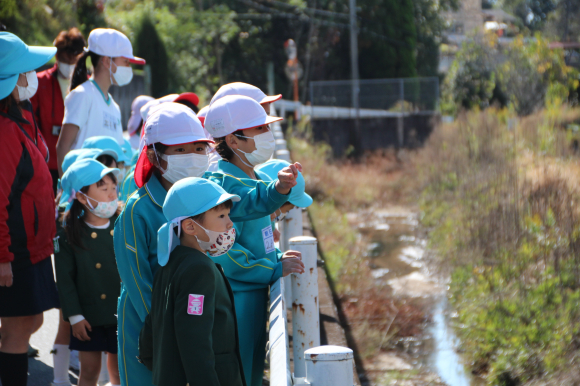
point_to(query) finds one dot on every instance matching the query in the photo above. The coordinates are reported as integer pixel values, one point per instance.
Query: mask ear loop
(158, 162)
(88, 200)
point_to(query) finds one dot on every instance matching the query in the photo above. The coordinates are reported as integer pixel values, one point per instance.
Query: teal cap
(80, 174)
(80, 154)
(17, 58)
(298, 196)
(127, 149)
(108, 144)
(135, 158)
(187, 197)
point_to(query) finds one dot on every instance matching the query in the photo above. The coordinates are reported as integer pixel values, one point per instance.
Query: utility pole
(355, 86)
(354, 54)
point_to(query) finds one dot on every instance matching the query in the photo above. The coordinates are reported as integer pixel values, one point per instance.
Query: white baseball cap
(240, 88)
(169, 124)
(235, 112)
(110, 42)
(135, 117)
(156, 102)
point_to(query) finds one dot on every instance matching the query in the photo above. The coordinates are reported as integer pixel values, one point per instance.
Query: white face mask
(219, 242)
(281, 216)
(180, 166)
(265, 146)
(103, 209)
(122, 76)
(66, 70)
(28, 92)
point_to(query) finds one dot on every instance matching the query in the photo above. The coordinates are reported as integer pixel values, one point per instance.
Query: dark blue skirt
(103, 338)
(33, 291)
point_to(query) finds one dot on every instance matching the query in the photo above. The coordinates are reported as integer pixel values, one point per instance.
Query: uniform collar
(156, 191)
(231, 169)
(107, 100)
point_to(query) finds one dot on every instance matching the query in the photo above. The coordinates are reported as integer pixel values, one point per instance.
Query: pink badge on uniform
(195, 304)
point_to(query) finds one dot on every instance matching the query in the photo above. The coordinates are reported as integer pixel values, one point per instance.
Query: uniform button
(103, 296)
(94, 235)
(98, 265)
(112, 232)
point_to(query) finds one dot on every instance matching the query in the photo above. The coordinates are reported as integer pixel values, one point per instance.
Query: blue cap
(80, 174)
(135, 158)
(179, 205)
(108, 144)
(79, 154)
(127, 149)
(298, 196)
(17, 58)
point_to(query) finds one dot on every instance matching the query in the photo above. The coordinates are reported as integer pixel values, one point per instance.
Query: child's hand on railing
(287, 178)
(292, 263)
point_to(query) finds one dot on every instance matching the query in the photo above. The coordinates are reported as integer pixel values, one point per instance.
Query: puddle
(396, 257)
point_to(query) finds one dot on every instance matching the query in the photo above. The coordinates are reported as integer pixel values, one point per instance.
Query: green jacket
(87, 279)
(193, 316)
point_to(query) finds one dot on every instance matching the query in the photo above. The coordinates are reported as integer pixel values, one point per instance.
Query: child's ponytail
(73, 224)
(81, 73)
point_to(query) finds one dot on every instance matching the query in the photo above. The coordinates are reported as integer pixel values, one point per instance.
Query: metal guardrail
(313, 364)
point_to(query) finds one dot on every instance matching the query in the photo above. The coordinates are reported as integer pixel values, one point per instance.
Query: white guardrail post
(279, 356)
(329, 366)
(305, 310)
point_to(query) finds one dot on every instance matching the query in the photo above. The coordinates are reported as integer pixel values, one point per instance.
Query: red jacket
(49, 109)
(27, 210)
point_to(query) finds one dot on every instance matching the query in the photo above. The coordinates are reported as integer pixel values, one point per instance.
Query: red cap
(188, 96)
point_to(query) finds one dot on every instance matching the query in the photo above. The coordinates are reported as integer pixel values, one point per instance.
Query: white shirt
(85, 107)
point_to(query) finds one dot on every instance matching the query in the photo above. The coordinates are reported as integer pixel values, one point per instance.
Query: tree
(149, 46)
(391, 54)
(430, 24)
(37, 22)
(532, 13)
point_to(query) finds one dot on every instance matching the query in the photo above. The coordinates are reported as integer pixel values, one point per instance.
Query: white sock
(60, 359)
(104, 375)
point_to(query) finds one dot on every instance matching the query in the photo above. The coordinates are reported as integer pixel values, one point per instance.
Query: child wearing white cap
(89, 108)
(240, 128)
(135, 121)
(240, 88)
(174, 147)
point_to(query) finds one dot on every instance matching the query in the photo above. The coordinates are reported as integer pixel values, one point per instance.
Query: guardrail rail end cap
(328, 353)
(303, 240)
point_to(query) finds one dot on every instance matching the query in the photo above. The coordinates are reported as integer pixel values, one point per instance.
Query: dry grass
(501, 199)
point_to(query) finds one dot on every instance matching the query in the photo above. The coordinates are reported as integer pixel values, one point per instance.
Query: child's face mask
(219, 242)
(103, 209)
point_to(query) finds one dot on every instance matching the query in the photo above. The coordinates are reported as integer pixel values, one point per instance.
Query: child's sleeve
(240, 264)
(257, 198)
(146, 344)
(65, 267)
(194, 327)
(132, 252)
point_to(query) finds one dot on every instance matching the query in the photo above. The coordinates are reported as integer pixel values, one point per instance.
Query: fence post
(400, 121)
(278, 352)
(305, 310)
(329, 366)
(291, 227)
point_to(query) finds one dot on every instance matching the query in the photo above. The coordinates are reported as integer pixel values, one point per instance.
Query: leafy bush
(525, 74)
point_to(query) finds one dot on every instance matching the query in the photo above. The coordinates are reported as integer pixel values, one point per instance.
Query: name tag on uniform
(195, 304)
(56, 130)
(268, 237)
(110, 122)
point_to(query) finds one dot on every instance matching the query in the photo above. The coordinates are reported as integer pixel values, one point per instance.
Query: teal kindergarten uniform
(136, 253)
(195, 345)
(251, 265)
(129, 186)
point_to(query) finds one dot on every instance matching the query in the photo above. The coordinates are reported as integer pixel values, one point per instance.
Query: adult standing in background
(27, 225)
(89, 108)
(53, 87)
